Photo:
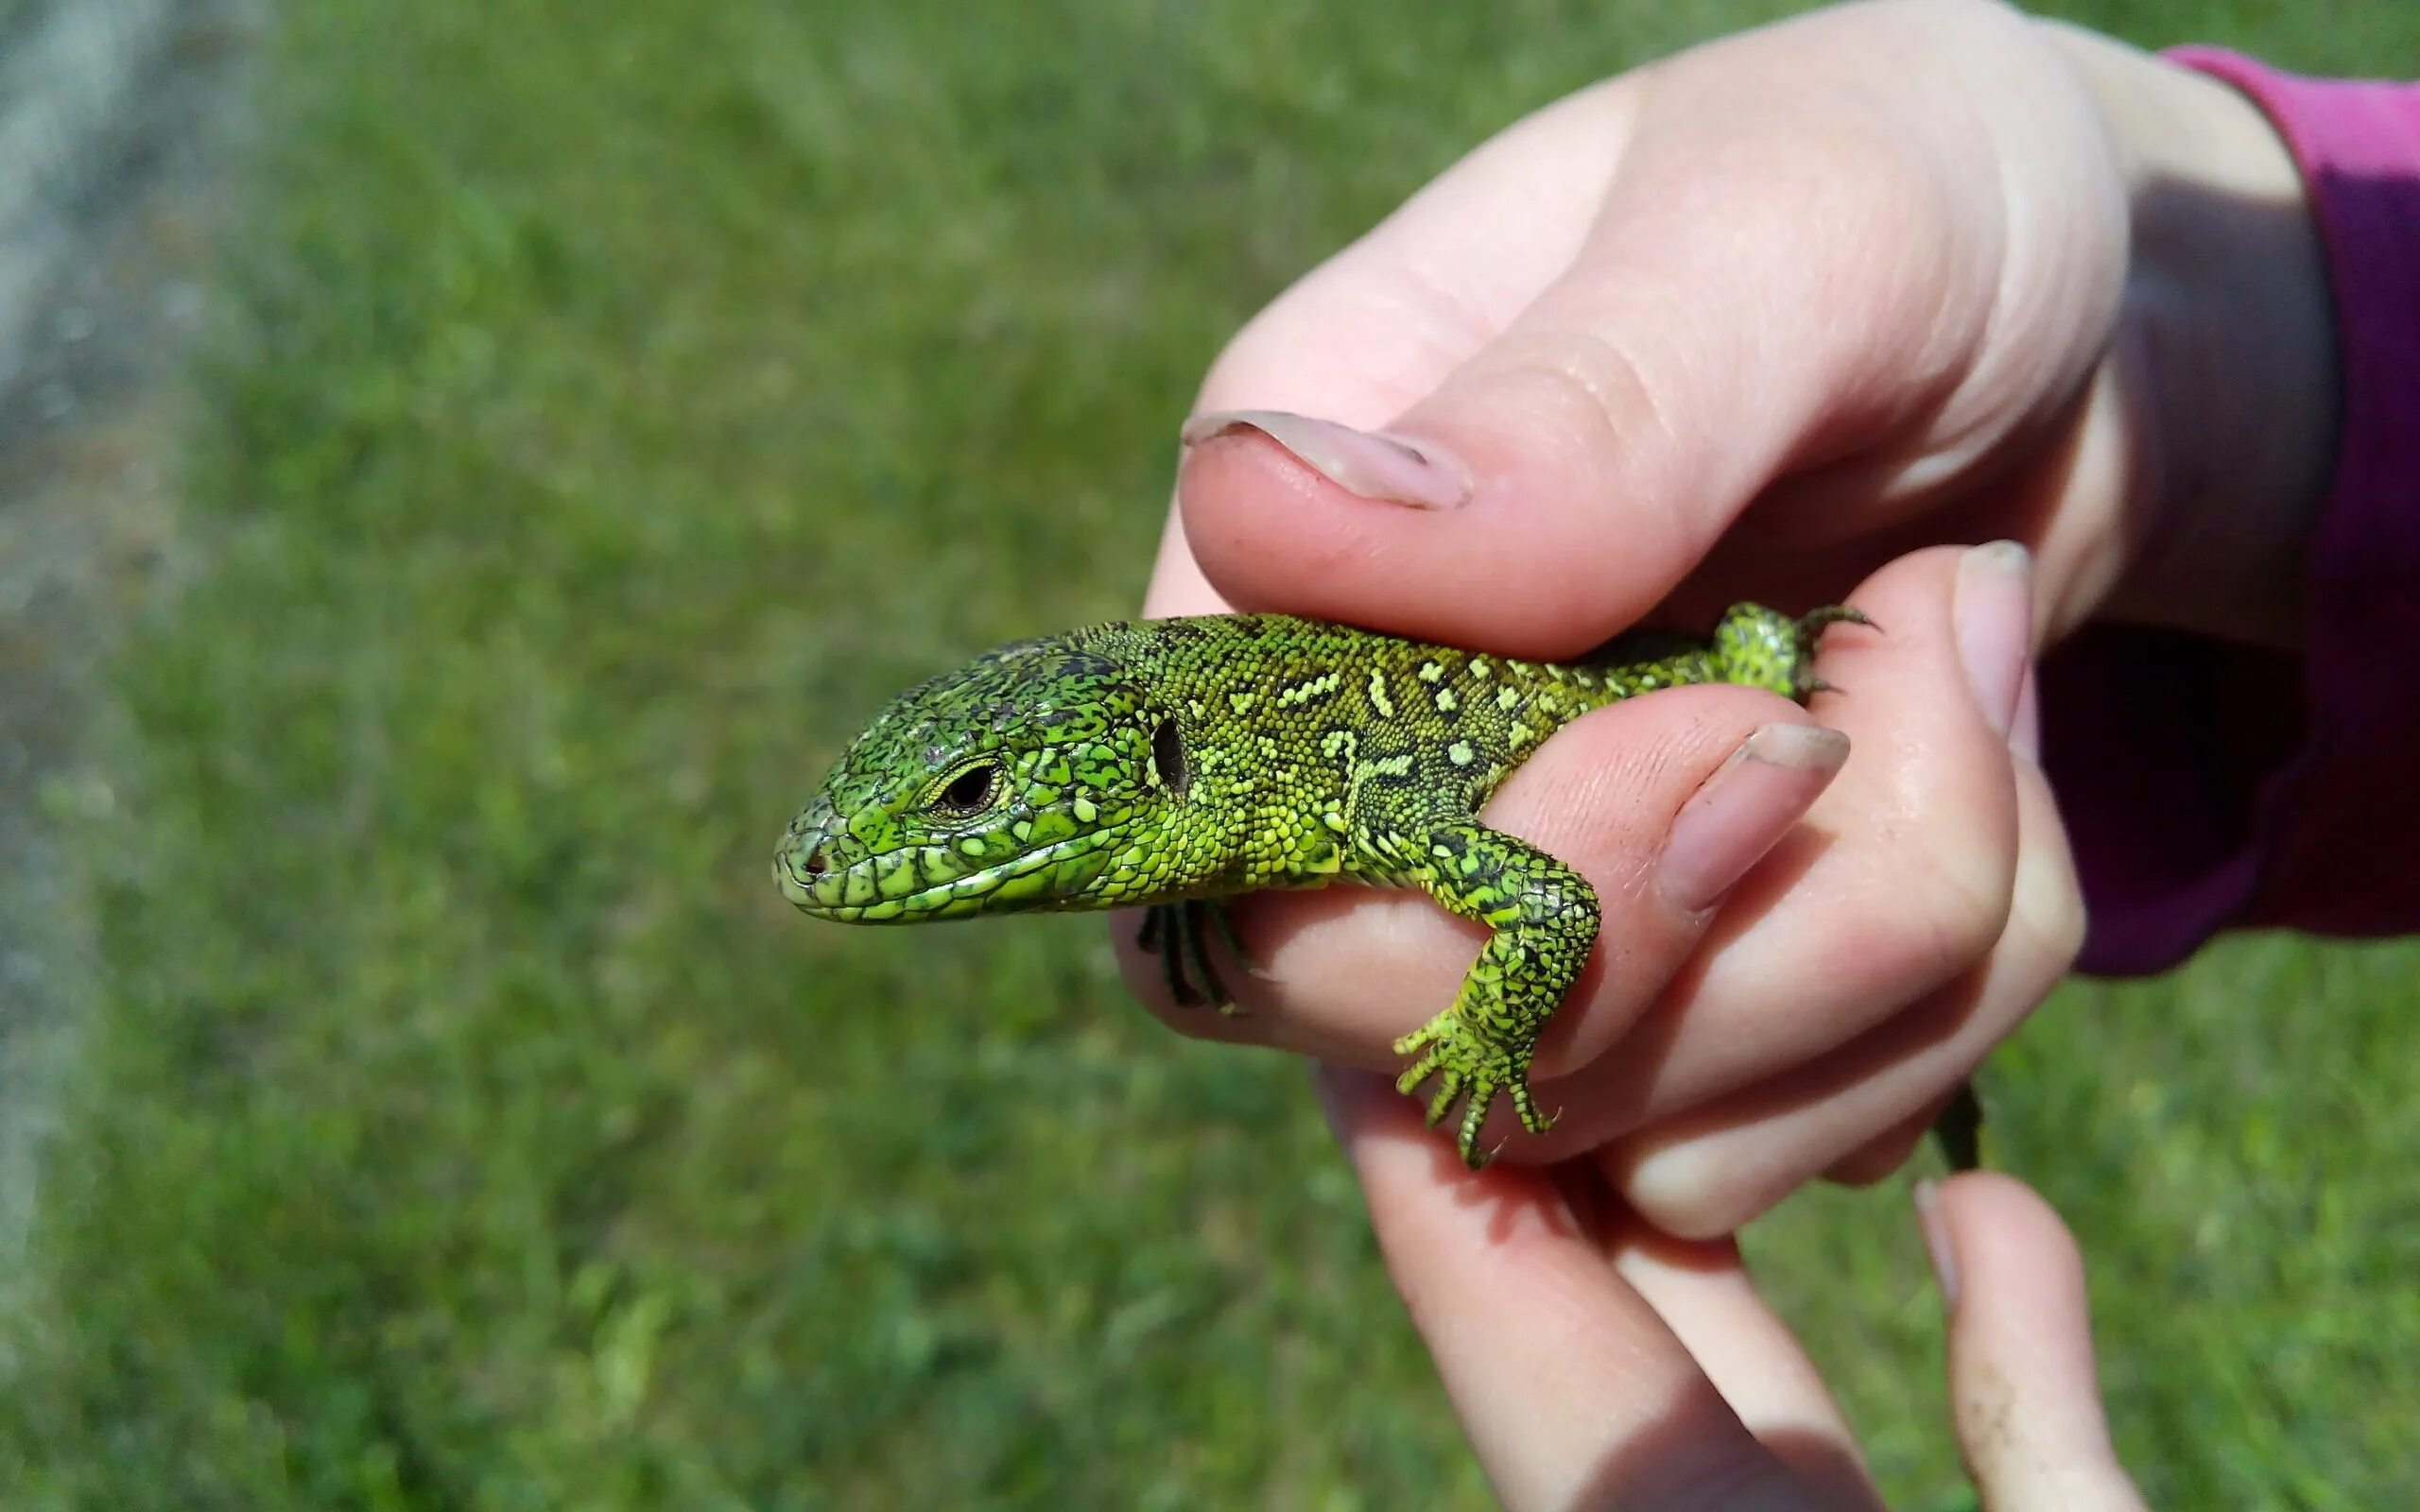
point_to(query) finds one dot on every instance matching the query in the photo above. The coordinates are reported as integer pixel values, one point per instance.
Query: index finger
(1574, 1391)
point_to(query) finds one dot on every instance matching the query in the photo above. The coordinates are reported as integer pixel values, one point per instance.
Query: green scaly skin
(1170, 763)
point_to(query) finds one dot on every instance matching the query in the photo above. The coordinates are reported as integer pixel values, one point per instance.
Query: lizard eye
(970, 791)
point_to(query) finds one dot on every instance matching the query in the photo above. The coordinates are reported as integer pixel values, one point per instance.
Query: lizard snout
(800, 868)
(805, 866)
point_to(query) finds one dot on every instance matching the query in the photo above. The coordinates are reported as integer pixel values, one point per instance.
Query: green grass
(619, 402)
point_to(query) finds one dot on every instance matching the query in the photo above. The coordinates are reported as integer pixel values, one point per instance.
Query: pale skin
(1597, 1362)
(1797, 316)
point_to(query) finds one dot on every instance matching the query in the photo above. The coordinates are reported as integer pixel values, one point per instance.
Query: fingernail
(1745, 808)
(1370, 463)
(1992, 608)
(1937, 1245)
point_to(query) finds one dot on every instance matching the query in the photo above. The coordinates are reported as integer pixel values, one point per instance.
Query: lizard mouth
(852, 894)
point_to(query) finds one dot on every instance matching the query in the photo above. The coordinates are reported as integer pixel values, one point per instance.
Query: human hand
(1596, 1362)
(1761, 321)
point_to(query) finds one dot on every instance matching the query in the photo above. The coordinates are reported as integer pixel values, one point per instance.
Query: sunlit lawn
(617, 402)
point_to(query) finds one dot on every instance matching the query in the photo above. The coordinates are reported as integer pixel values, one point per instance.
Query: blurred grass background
(615, 402)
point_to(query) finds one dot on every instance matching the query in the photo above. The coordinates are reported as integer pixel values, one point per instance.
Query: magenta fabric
(2209, 786)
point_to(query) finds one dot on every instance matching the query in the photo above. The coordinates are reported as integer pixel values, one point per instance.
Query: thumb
(2022, 1389)
(1786, 267)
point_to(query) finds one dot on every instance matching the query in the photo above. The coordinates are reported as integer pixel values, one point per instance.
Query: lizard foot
(1184, 961)
(1759, 647)
(1471, 1068)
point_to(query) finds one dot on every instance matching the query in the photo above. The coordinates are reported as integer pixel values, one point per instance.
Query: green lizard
(1168, 765)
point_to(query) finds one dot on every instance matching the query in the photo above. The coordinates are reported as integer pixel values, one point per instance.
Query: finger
(2024, 1397)
(1720, 1165)
(1879, 1157)
(1662, 802)
(1572, 1391)
(1897, 882)
(1383, 322)
(1777, 280)
(1704, 1294)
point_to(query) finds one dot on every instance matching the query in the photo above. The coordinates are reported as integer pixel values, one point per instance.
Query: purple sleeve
(2209, 786)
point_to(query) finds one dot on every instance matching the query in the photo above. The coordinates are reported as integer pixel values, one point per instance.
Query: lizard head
(1021, 781)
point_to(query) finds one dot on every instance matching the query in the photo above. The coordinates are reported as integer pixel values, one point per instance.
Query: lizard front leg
(1173, 933)
(1544, 916)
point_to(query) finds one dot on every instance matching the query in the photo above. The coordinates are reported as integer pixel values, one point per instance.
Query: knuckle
(1584, 397)
(2048, 904)
(1686, 1195)
(1970, 905)
(1957, 902)
(1876, 1163)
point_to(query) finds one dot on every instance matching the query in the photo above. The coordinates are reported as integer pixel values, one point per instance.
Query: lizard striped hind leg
(1545, 917)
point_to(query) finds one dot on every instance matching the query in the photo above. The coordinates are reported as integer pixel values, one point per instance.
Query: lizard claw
(1471, 1068)
(1814, 623)
(1811, 629)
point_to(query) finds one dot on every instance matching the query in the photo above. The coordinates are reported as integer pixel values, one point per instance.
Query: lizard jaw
(1036, 879)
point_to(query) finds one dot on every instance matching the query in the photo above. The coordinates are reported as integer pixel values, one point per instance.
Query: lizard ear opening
(1168, 756)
